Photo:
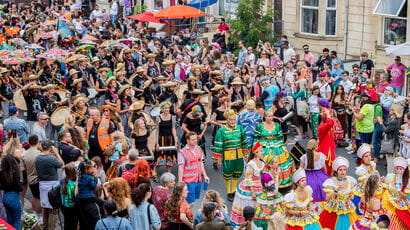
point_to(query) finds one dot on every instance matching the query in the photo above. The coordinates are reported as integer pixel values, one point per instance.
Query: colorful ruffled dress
(272, 143)
(268, 202)
(367, 219)
(339, 212)
(297, 222)
(243, 196)
(363, 172)
(392, 201)
(316, 177)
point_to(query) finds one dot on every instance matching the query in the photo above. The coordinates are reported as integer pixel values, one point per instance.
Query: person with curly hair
(142, 173)
(142, 213)
(119, 191)
(178, 210)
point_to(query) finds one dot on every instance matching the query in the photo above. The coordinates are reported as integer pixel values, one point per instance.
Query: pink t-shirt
(397, 74)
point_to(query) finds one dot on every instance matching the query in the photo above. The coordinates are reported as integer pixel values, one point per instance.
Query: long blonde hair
(137, 130)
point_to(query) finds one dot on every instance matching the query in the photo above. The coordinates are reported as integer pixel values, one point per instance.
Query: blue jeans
(12, 203)
(376, 139)
(397, 90)
(113, 18)
(365, 138)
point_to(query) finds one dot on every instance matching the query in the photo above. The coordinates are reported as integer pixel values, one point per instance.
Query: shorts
(35, 190)
(194, 191)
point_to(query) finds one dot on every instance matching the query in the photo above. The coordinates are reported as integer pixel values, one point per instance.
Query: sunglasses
(44, 119)
(106, 110)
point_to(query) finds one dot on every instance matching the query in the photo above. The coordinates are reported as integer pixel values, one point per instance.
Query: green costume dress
(230, 146)
(272, 143)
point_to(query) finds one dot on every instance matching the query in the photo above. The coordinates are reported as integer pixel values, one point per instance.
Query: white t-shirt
(347, 85)
(324, 88)
(114, 8)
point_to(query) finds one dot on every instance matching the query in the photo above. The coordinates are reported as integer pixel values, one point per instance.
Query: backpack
(54, 197)
(127, 173)
(337, 129)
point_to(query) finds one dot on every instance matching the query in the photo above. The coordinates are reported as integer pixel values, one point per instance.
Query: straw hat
(76, 81)
(4, 70)
(127, 51)
(169, 84)
(80, 98)
(72, 72)
(140, 69)
(150, 55)
(106, 69)
(121, 65)
(168, 62)
(123, 88)
(108, 81)
(101, 108)
(192, 79)
(138, 105)
(217, 87)
(147, 83)
(121, 72)
(33, 77)
(197, 91)
(84, 59)
(95, 60)
(216, 73)
(237, 81)
(35, 87)
(194, 67)
(159, 78)
(49, 86)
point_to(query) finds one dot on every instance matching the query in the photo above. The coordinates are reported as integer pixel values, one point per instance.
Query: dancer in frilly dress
(299, 213)
(339, 211)
(269, 201)
(250, 188)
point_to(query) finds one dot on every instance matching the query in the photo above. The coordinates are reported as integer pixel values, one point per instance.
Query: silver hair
(133, 155)
(166, 178)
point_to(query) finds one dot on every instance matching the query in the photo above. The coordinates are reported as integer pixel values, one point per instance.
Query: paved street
(215, 176)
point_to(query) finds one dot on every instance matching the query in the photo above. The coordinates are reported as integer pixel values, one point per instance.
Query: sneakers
(349, 148)
(351, 152)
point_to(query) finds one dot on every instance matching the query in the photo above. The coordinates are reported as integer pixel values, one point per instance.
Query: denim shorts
(194, 191)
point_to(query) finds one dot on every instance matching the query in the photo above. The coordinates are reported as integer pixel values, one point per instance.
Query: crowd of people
(93, 107)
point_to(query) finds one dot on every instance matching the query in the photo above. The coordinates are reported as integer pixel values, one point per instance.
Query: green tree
(252, 23)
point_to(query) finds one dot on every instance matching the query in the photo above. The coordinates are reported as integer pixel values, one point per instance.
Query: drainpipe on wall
(345, 29)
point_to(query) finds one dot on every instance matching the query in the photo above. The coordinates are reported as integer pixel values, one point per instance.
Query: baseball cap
(13, 109)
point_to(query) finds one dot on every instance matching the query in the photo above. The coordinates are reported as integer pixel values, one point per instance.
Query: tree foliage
(252, 23)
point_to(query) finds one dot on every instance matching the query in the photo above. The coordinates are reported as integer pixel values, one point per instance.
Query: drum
(93, 92)
(204, 100)
(155, 111)
(60, 115)
(64, 94)
(180, 92)
(19, 101)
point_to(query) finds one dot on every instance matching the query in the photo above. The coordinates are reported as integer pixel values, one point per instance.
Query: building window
(395, 28)
(389, 7)
(158, 5)
(309, 16)
(331, 17)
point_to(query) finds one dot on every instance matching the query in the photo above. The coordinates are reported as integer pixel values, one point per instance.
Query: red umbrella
(179, 12)
(146, 17)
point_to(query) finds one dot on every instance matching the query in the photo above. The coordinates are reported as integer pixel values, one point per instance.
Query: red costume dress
(326, 143)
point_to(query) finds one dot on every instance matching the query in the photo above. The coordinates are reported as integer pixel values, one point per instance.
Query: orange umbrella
(179, 12)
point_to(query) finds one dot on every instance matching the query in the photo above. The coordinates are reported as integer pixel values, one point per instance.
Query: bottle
(206, 185)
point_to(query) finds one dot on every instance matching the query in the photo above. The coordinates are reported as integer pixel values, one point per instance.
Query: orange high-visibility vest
(192, 167)
(104, 138)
